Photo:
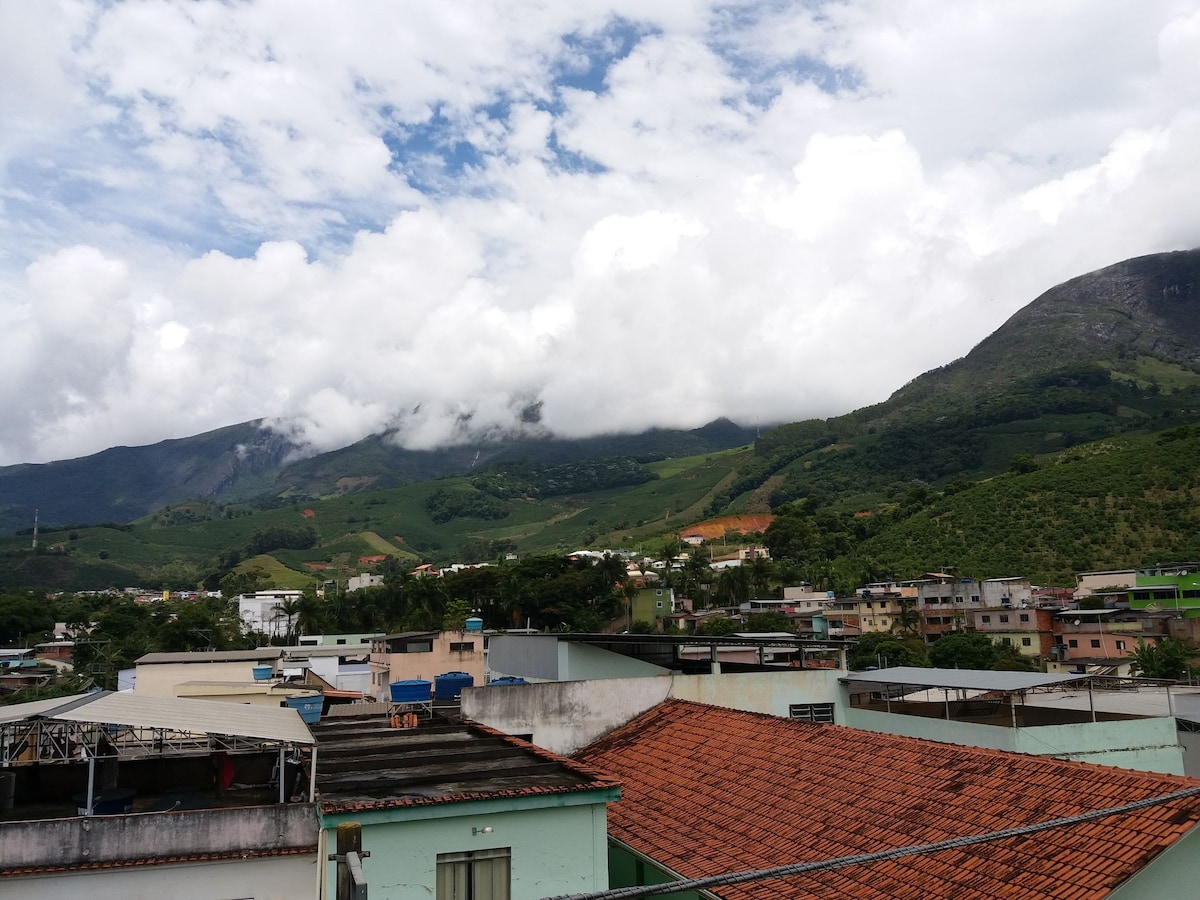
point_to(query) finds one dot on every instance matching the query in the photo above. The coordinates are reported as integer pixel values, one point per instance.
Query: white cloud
(429, 218)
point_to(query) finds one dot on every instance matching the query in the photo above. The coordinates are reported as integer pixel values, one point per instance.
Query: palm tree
(908, 619)
(290, 609)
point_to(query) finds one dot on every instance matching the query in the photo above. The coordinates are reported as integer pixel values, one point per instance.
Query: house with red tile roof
(708, 791)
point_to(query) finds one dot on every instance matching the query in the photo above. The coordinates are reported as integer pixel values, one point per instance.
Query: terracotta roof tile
(708, 790)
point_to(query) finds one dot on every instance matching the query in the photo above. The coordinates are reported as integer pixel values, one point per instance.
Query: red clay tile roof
(707, 790)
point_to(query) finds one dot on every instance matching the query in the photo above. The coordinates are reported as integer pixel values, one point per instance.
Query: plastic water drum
(449, 685)
(308, 707)
(412, 691)
(507, 680)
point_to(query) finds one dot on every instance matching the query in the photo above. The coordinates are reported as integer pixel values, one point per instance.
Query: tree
(963, 651)
(908, 619)
(1166, 659)
(717, 626)
(287, 609)
(733, 584)
(768, 621)
(1010, 659)
(885, 649)
(456, 615)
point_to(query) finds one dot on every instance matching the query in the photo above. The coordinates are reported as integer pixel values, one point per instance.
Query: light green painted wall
(581, 662)
(556, 849)
(966, 733)
(627, 870)
(651, 604)
(1149, 745)
(1170, 874)
(764, 692)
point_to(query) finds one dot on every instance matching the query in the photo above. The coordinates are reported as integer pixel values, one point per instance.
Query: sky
(449, 221)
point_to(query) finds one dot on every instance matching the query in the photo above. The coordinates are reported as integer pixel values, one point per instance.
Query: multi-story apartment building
(946, 603)
(1029, 629)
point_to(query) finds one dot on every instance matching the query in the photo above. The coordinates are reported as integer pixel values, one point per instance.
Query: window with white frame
(475, 875)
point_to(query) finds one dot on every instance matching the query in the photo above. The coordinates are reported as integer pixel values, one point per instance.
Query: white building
(263, 611)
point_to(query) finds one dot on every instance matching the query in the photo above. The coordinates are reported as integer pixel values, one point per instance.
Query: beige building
(424, 655)
(343, 667)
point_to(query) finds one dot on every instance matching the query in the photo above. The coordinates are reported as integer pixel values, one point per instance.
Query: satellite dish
(1076, 622)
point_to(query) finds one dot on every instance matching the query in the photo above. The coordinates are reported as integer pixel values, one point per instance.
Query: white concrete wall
(566, 716)
(563, 716)
(269, 878)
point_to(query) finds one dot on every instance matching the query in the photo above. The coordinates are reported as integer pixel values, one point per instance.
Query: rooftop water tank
(474, 624)
(506, 680)
(449, 685)
(412, 691)
(262, 673)
(308, 706)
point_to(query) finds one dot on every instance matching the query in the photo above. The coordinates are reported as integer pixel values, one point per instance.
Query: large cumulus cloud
(457, 219)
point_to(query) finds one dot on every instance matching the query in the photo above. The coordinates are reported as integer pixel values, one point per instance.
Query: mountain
(1139, 318)
(124, 483)
(247, 461)
(1101, 360)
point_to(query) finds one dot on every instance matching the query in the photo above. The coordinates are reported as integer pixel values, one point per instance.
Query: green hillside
(1113, 504)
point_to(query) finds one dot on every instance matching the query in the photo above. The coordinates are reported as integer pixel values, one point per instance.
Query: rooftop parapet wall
(55, 844)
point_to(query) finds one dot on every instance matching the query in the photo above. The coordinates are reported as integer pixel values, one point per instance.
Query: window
(1004, 617)
(1095, 642)
(987, 620)
(475, 875)
(417, 647)
(462, 646)
(883, 621)
(341, 640)
(1026, 642)
(974, 598)
(1120, 645)
(821, 713)
(1024, 617)
(1072, 643)
(658, 603)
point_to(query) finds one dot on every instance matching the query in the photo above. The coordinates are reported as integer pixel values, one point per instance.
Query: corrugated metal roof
(193, 716)
(19, 711)
(967, 679)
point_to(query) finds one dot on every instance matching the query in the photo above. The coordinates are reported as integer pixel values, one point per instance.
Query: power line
(841, 862)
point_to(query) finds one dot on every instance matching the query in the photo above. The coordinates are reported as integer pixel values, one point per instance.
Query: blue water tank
(262, 673)
(308, 707)
(412, 691)
(474, 624)
(449, 685)
(508, 679)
